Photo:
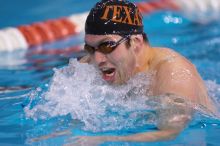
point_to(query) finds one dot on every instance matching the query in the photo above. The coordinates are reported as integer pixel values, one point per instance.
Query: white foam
(78, 90)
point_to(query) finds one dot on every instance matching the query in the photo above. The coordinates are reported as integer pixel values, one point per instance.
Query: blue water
(23, 72)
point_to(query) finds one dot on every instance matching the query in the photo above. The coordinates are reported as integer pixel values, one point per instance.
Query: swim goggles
(105, 47)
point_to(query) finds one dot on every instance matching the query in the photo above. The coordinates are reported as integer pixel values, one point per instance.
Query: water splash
(78, 90)
(214, 92)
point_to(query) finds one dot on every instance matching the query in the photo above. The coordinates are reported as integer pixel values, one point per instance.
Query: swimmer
(119, 48)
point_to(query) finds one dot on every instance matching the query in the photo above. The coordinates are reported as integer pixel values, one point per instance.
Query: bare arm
(173, 116)
(155, 136)
(166, 133)
(147, 136)
(140, 137)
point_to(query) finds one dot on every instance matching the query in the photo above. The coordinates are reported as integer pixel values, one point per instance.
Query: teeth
(109, 75)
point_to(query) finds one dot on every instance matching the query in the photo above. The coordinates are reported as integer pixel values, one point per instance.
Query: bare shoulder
(175, 74)
(170, 61)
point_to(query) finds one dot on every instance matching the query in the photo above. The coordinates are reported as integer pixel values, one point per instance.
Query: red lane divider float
(49, 31)
(26, 36)
(31, 35)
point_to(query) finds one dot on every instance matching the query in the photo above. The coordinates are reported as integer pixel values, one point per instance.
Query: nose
(99, 57)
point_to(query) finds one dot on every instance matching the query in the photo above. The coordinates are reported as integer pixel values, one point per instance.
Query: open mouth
(108, 73)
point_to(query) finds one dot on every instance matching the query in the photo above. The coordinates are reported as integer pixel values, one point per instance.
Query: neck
(145, 58)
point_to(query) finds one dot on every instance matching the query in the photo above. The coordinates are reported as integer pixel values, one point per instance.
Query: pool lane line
(26, 36)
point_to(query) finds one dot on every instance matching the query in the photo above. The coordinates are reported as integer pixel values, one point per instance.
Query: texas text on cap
(114, 17)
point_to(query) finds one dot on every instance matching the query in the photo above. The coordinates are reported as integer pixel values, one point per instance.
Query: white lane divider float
(201, 11)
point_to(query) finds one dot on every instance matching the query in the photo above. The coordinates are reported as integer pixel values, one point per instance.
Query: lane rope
(26, 36)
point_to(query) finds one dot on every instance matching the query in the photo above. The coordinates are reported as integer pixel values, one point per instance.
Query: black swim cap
(114, 17)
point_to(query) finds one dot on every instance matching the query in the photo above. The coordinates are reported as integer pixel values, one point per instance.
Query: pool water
(35, 85)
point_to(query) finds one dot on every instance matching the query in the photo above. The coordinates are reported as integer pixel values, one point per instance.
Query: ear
(137, 42)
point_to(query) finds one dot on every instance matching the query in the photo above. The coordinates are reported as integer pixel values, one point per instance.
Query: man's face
(116, 67)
